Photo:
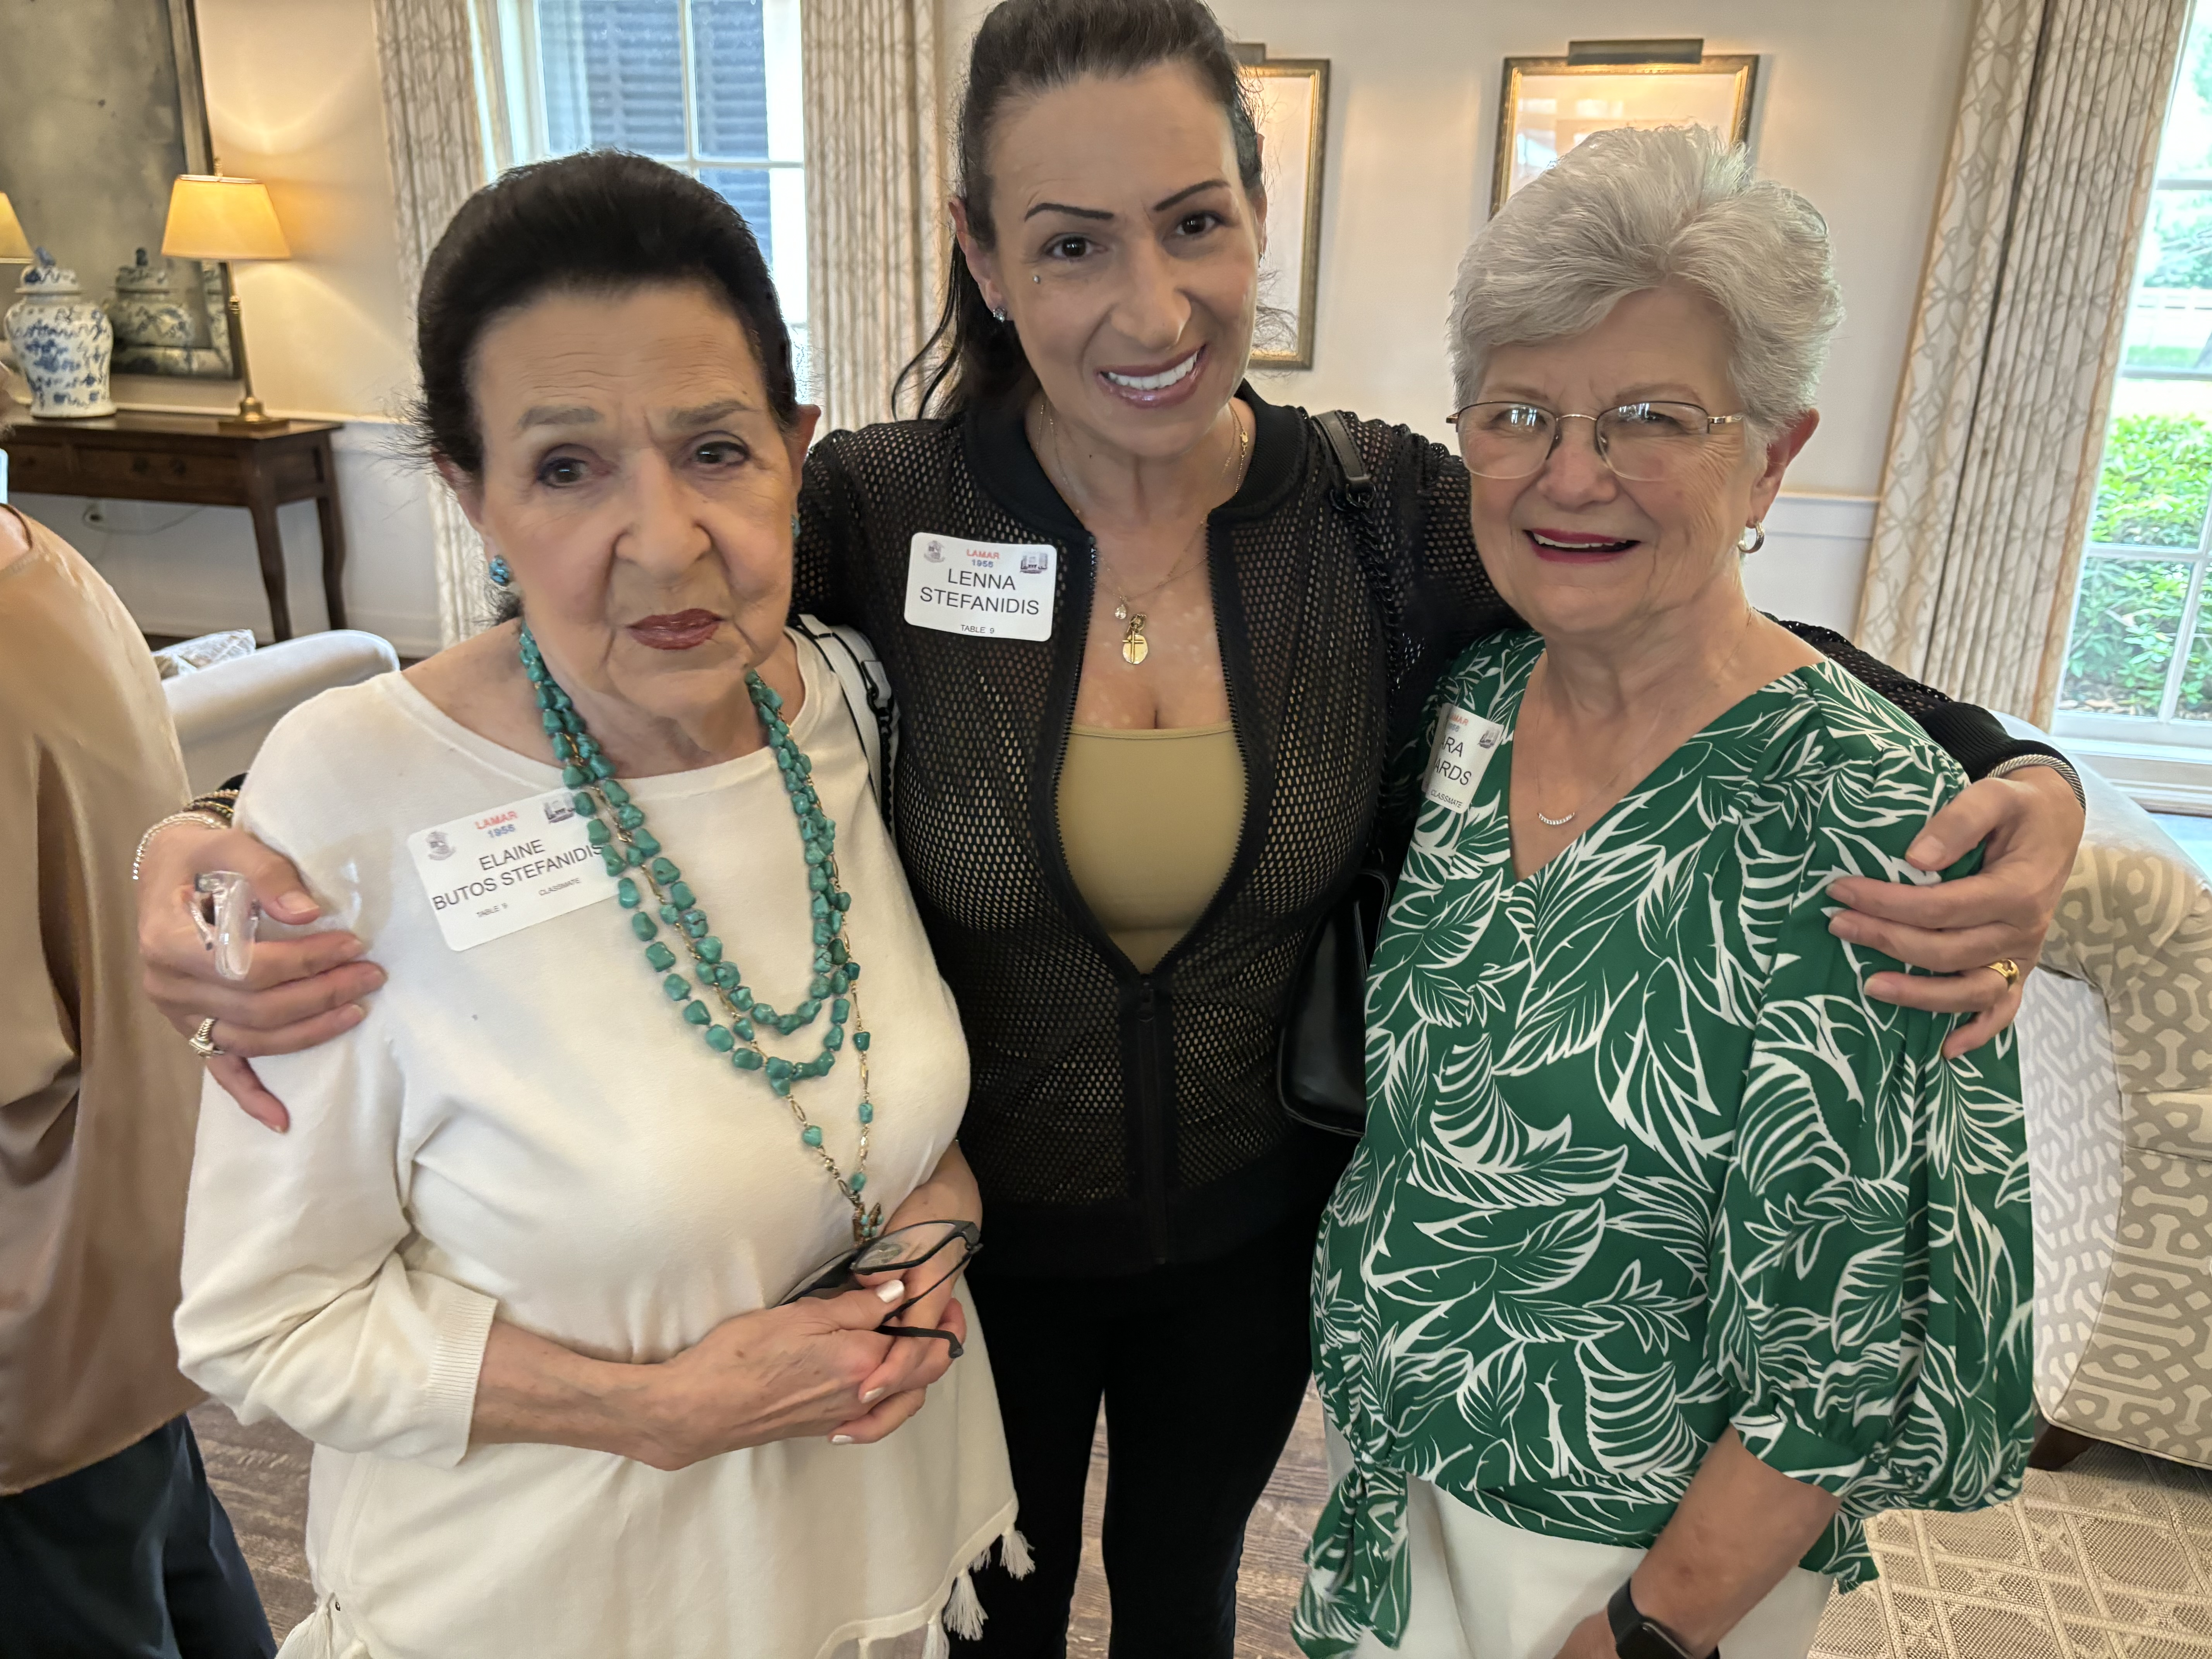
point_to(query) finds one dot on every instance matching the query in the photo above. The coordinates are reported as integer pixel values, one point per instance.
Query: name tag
(500, 872)
(993, 590)
(1464, 745)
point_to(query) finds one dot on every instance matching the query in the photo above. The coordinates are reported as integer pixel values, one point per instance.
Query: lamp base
(251, 418)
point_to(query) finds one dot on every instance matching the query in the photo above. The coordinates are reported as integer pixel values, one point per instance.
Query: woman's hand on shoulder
(2029, 825)
(786, 1373)
(299, 993)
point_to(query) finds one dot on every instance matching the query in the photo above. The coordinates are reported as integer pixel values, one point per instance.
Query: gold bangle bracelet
(188, 816)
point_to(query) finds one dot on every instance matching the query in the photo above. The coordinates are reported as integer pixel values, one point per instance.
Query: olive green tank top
(1149, 821)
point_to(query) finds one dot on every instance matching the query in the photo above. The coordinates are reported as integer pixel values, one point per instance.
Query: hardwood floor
(261, 1474)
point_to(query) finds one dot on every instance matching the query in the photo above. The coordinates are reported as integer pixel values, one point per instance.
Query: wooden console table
(187, 458)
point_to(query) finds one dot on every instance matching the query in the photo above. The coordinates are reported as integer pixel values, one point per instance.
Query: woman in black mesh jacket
(1272, 641)
(1151, 656)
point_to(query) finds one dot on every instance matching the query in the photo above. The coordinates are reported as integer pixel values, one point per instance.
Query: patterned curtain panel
(1991, 471)
(876, 240)
(434, 136)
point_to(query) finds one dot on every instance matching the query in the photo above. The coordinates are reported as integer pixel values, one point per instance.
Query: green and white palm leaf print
(1644, 1162)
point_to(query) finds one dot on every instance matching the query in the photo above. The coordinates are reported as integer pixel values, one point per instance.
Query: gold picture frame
(1290, 106)
(1533, 131)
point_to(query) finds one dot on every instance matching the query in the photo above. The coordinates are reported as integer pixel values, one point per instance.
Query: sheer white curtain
(1991, 469)
(434, 132)
(876, 240)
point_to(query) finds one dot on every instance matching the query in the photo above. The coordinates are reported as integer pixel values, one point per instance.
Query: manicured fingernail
(872, 1396)
(840, 1439)
(296, 902)
(1927, 850)
(892, 1292)
(1842, 926)
(353, 1013)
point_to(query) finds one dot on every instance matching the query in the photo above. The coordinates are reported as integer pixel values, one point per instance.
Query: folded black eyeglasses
(924, 1256)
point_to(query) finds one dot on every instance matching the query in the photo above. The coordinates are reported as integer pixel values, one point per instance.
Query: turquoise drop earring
(500, 575)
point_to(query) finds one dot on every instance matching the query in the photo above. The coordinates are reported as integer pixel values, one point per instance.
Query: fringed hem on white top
(960, 1612)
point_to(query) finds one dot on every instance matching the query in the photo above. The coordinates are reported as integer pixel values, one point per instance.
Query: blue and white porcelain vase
(61, 343)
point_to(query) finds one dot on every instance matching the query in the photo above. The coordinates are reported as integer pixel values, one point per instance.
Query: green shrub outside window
(2153, 492)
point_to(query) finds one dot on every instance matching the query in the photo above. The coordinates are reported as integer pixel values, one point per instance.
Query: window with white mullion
(2138, 664)
(711, 88)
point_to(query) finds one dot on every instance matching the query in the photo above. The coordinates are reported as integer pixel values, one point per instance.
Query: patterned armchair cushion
(2128, 1360)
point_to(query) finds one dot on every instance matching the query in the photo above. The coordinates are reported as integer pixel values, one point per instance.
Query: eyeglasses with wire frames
(925, 1255)
(1642, 442)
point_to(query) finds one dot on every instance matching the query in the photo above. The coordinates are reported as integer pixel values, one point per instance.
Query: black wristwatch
(1635, 1637)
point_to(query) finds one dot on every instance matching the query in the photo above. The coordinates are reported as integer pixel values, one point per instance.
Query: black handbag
(1320, 1056)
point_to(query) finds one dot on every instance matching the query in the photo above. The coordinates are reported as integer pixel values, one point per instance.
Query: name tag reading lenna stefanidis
(500, 872)
(991, 589)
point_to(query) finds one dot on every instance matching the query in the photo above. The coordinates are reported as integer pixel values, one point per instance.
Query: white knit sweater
(528, 1130)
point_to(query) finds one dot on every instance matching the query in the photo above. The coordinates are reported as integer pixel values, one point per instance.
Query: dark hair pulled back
(1028, 46)
(603, 221)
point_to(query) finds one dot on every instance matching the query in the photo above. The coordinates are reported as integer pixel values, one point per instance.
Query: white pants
(1482, 1590)
(327, 1633)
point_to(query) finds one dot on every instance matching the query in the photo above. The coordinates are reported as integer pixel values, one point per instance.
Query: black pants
(131, 1558)
(1202, 1368)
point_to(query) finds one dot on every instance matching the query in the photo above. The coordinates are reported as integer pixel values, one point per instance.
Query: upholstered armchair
(2116, 1045)
(224, 710)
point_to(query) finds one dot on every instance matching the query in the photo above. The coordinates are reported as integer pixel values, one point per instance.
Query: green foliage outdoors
(2153, 492)
(2157, 477)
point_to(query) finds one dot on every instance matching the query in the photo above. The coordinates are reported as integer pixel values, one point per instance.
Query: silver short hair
(1627, 210)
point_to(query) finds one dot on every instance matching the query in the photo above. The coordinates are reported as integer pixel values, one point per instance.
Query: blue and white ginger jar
(61, 343)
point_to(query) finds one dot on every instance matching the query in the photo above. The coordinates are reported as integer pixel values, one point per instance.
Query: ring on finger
(2007, 969)
(202, 1042)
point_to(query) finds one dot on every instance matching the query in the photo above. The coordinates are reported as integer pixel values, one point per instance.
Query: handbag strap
(1352, 494)
(868, 698)
(1355, 484)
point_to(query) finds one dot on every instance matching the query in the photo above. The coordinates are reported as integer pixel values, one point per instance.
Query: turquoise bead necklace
(634, 857)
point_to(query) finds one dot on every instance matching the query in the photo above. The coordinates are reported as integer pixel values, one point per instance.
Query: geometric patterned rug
(2109, 1557)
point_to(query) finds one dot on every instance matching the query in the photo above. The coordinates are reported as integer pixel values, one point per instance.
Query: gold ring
(2007, 969)
(200, 1043)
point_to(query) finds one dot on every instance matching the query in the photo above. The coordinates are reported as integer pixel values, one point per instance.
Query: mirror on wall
(101, 109)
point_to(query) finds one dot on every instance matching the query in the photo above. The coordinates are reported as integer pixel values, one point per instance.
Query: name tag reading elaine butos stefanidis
(992, 590)
(500, 872)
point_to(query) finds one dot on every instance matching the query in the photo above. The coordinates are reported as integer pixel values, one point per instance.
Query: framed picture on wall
(1290, 99)
(1549, 104)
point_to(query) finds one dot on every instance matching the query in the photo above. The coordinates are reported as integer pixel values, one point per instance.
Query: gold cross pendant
(1135, 647)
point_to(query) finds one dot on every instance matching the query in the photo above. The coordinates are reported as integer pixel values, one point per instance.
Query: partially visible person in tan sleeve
(110, 1542)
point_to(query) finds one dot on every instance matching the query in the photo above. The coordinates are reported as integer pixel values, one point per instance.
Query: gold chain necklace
(1648, 731)
(1135, 647)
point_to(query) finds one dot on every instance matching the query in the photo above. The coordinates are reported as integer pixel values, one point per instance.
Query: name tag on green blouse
(992, 590)
(1464, 744)
(497, 872)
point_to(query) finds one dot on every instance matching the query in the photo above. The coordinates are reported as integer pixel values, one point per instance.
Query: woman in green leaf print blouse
(1670, 1255)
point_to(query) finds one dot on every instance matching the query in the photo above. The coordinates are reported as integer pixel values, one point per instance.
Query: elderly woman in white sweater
(525, 1268)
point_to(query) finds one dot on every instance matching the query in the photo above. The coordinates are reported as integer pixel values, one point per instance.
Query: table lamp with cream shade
(14, 246)
(228, 219)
